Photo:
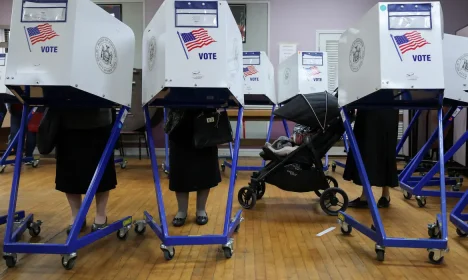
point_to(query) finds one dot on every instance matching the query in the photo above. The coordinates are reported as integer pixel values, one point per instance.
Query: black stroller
(297, 167)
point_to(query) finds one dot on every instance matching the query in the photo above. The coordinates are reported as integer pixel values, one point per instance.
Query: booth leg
(270, 127)
(165, 165)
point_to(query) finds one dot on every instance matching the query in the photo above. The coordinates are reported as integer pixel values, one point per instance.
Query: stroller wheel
(247, 197)
(334, 200)
(332, 183)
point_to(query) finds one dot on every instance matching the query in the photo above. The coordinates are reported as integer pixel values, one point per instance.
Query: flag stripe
(410, 41)
(41, 33)
(197, 39)
(250, 70)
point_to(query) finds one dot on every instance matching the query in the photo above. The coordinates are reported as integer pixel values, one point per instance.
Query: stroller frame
(4, 161)
(436, 247)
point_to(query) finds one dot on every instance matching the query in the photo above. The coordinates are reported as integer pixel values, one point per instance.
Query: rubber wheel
(167, 255)
(138, 231)
(347, 232)
(34, 231)
(380, 255)
(35, 163)
(227, 252)
(122, 237)
(433, 260)
(223, 167)
(2, 168)
(333, 167)
(247, 197)
(407, 195)
(70, 264)
(10, 261)
(329, 199)
(123, 165)
(421, 202)
(332, 183)
(461, 233)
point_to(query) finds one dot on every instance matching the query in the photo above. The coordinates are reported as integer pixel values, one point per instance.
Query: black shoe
(178, 222)
(383, 202)
(83, 228)
(96, 227)
(202, 220)
(358, 203)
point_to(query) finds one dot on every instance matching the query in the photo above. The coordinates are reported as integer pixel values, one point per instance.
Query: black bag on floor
(211, 129)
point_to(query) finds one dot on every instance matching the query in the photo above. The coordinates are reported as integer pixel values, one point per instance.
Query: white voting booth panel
(259, 79)
(71, 43)
(301, 73)
(192, 44)
(3, 88)
(396, 45)
(456, 67)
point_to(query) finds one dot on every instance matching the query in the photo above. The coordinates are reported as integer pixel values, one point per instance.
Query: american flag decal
(41, 33)
(196, 39)
(410, 41)
(250, 70)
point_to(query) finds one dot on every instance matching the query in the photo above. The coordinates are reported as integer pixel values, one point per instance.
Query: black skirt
(191, 169)
(376, 133)
(78, 153)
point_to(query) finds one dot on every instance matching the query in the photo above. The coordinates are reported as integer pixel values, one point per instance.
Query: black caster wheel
(68, 264)
(421, 200)
(227, 252)
(332, 183)
(237, 228)
(331, 203)
(168, 253)
(261, 190)
(10, 260)
(380, 255)
(140, 229)
(247, 197)
(433, 231)
(422, 173)
(347, 231)
(34, 229)
(35, 163)
(123, 165)
(223, 167)
(435, 258)
(2, 168)
(122, 234)
(461, 233)
(372, 227)
(407, 195)
(333, 167)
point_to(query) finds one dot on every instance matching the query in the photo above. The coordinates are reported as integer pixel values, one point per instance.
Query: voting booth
(192, 57)
(301, 73)
(5, 93)
(392, 58)
(259, 79)
(67, 54)
(192, 53)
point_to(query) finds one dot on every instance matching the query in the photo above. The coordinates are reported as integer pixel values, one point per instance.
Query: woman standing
(191, 169)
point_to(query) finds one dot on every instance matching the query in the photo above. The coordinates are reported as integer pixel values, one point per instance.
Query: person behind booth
(15, 124)
(81, 139)
(3, 111)
(191, 169)
(376, 133)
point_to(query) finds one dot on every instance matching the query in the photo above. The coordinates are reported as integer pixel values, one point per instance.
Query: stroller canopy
(312, 110)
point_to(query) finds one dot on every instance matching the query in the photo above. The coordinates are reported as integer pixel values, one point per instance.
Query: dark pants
(30, 136)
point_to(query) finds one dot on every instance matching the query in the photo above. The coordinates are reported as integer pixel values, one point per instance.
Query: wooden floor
(277, 240)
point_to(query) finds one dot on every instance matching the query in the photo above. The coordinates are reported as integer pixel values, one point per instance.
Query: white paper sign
(286, 50)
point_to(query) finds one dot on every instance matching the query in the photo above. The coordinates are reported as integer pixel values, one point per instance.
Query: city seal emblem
(356, 55)
(461, 66)
(151, 52)
(106, 55)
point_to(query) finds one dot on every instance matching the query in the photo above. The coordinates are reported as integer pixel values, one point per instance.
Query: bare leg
(74, 200)
(101, 205)
(386, 192)
(182, 202)
(202, 197)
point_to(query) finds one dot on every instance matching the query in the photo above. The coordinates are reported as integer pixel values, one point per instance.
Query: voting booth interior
(45, 69)
(259, 89)
(392, 58)
(192, 58)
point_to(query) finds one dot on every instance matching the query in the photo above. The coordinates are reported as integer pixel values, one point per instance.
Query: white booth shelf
(69, 51)
(192, 53)
(301, 73)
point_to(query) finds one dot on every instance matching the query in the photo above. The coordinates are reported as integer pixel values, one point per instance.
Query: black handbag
(47, 132)
(211, 129)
